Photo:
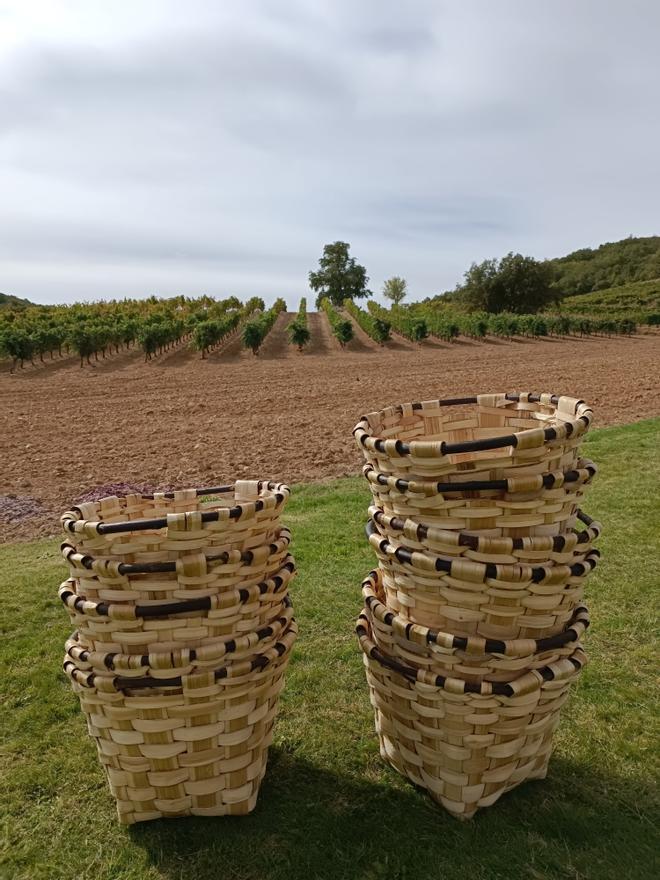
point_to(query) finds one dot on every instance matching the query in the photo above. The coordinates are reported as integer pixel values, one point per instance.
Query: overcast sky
(214, 147)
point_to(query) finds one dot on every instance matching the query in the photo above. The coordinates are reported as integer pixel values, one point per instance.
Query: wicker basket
(161, 663)
(482, 599)
(537, 504)
(191, 623)
(169, 525)
(488, 436)
(473, 658)
(190, 743)
(194, 576)
(465, 744)
(534, 550)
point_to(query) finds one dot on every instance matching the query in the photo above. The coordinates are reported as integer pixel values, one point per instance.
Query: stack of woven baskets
(184, 629)
(472, 622)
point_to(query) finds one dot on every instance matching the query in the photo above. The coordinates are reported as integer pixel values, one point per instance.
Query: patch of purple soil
(15, 508)
(120, 490)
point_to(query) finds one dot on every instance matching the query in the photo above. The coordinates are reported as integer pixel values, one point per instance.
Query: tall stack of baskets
(184, 629)
(472, 621)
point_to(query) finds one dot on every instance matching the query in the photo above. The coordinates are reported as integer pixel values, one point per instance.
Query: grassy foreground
(329, 808)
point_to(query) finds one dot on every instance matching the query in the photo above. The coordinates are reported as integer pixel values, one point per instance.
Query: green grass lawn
(329, 807)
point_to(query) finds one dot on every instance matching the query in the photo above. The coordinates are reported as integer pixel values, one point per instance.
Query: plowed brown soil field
(183, 421)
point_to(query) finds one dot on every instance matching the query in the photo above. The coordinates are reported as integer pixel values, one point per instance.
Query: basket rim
(226, 557)
(72, 520)
(117, 683)
(489, 570)
(92, 608)
(582, 475)
(221, 648)
(573, 632)
(485, 543)
(528, 681)
(527, 438)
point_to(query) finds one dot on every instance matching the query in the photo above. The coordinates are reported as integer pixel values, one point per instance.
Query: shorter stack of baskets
(184, 629)
(472, 622)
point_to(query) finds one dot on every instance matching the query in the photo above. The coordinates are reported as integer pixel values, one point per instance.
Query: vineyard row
(102, 329)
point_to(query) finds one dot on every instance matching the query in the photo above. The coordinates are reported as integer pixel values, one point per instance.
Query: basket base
(537, 768)
(227, 803)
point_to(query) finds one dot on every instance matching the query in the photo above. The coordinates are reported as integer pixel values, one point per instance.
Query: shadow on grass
(313, 823)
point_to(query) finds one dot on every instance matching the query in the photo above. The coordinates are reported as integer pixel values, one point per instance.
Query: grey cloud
(200, 64)
(224, 144)
(89, 242)
(422, 217)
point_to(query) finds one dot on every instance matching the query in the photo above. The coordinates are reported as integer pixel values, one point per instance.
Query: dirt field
(181, 421)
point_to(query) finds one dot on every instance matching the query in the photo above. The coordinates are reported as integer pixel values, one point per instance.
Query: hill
(616, 281)
(627, 300)
(610, 265)
(13, 302)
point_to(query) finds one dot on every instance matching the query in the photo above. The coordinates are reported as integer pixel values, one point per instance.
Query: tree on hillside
(513, 284)
(339, 277)
(395, 289)
(610, 265)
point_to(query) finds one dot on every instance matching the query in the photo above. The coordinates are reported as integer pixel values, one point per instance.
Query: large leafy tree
(513, 284)
(395, 289)
(339, 277)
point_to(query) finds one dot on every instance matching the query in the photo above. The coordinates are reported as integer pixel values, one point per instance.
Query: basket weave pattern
(493, 601)
(474, 659)
(184, 630)
(104, 626)
(545, 504)
(466, 749)
(199, 748)
(472, 622)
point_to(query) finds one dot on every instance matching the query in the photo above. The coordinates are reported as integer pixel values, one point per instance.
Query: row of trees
(257, 328)
(416, 322)
(447, 324)
(211, 330)
(207, 335)
(159, 333)
(511, 296)
(298, 330)
(375, 326)
(341, 327)
(102, 329)
(403, 320)
(40, 335)
(86, 331)
(442, 324)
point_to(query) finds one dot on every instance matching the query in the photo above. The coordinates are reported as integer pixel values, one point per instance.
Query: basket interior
(431, 421)
(132, 507)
